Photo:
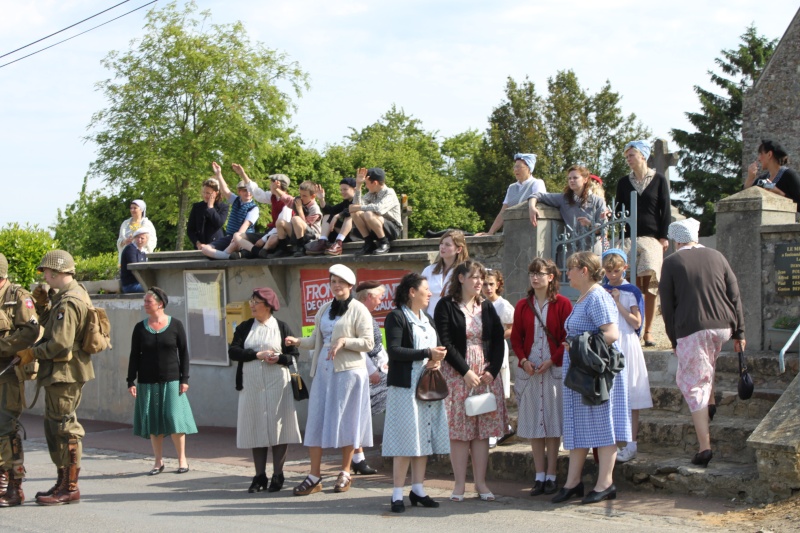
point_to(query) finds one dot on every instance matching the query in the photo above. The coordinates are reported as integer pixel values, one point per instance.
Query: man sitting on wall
(376, 215)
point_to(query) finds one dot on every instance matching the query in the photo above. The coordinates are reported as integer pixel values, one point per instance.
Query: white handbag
(480, 404)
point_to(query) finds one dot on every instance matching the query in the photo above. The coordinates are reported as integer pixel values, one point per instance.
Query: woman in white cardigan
(339, 413)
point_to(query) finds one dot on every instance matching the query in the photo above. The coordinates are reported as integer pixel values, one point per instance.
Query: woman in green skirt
(159, 362)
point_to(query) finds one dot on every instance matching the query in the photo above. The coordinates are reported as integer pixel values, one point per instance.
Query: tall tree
(185, 94)
(711, 156)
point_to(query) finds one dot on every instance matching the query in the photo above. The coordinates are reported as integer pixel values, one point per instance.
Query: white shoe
(626, 454)
(492, 442)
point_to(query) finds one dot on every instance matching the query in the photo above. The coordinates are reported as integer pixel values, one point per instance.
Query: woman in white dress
(267, 416)
(339, 413)
(452, 252)
(138, 220)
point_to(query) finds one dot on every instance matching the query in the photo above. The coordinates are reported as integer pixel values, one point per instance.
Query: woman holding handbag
(414, 428)
(470, 329)
(537, 339)
(267, 417)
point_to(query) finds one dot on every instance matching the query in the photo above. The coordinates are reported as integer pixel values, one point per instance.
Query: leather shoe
(182, 469)
(702, 458)
(362, 468)
(565, 494)
(382, 248)
(538, 488)
(307, 487)
(712, 410)
(157, 471)
(317, 247)
(259, 483)
(335, 248)
(367, 249)
(398, 506)
(594, 497)
(342, 483)
(276, 483)
(550, 487)
(425, 501)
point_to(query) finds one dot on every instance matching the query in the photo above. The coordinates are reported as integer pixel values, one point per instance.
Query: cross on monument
(661, 158)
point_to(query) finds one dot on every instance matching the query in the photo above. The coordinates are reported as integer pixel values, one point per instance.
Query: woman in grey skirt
(414, 429)
(159, 363)
(267, 416)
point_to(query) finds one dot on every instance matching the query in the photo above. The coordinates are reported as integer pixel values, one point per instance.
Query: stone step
(671, 432)
(662, 365)
(669, 398)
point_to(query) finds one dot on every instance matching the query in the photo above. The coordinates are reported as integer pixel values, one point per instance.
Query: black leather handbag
(432, 386)
(746, 385)
(299, 389)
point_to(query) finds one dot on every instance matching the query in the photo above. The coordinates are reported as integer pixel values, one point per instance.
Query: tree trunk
(181, 237)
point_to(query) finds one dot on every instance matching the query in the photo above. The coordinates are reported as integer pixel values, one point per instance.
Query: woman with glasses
(537, 339)
(267, 417)
(470, 329)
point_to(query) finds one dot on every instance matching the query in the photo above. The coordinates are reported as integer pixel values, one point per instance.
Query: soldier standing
(63, 370)
(18, 330)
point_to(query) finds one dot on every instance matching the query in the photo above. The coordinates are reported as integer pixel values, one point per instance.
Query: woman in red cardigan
(538, 381)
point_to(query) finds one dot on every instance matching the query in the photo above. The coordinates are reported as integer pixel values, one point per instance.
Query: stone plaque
(787, 269)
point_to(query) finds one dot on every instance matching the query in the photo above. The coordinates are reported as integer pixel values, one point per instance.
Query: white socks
(313, 479)
(341, 237)
(631, 446)
(417, 489)
(323, 238)
(540, 476)
(551, 477)
(397, 494)
(345, 474)
(358, 457)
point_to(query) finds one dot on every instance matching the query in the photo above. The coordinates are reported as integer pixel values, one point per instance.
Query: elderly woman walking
(701, 307)
(267, 416)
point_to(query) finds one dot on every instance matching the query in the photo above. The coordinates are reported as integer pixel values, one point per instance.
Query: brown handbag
(432, 386)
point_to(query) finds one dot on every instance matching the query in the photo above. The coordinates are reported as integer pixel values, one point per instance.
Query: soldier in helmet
(63, 370)
(19, 329)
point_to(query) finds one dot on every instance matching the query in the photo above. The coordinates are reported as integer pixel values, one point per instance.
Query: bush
(103, 266)
(787, 322)
(24, 249)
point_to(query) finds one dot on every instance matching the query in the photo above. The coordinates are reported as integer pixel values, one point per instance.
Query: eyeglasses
(253, 301)
(538, 274)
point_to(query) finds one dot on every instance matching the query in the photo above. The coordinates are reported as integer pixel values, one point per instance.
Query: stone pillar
(522, 243)
(739, 221)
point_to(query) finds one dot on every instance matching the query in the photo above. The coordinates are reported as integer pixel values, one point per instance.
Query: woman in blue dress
(593, 426)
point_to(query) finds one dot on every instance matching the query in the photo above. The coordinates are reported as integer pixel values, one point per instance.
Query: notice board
(205, 316)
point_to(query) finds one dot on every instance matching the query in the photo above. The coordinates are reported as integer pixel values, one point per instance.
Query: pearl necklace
(582, 296)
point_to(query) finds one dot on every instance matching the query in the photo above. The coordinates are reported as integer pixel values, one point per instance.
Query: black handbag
(746, 385)
(299, 389)
(432, 386)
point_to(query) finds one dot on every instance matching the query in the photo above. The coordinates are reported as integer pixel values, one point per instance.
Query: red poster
(390, 279)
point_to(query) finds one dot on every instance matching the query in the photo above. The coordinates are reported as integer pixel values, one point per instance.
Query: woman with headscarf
(775, 175)
(158, 377)
(702, 309)
(519, 191)
(339, 414)
(207, 217)
(654, 216)
(267, 416)
(138, 220)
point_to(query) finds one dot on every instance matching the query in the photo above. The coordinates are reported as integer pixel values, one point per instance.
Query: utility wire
(78, 34)
(65, 29)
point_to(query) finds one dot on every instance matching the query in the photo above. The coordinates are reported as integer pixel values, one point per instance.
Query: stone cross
(661, 158)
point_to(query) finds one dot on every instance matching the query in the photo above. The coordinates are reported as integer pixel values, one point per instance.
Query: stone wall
(775, 305)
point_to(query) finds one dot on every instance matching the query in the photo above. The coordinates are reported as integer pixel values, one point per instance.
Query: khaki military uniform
(63, 370)
(19, 329)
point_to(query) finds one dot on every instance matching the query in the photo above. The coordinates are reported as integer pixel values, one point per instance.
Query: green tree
(24, 248)
(187, 93)
(711, 156)
(415, 165)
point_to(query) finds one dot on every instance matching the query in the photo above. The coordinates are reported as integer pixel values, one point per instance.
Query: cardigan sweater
(205, 223)
(158, 357)
(451, 325)
(525, 324)
(699, 291)
(237, 351)
(355, 326)
(400, 347)
(654, 209)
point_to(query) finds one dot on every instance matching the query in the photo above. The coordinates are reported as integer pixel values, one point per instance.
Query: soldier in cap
(19, 329)
(63, 370)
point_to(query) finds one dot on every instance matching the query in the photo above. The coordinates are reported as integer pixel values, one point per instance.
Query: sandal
(488, 497)
(648, 343)
(456, 497)
(308, 487)
(342, 483)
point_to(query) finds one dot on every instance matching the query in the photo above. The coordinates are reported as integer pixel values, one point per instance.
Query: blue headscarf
(628, 287)
(642, 146)
(529, 159)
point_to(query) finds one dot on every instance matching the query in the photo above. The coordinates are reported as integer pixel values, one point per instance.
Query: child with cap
(630, 305)
(339, 223)
(304, 226)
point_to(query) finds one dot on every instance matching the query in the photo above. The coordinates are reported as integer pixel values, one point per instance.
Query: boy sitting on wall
(337, 226)
(304, 226)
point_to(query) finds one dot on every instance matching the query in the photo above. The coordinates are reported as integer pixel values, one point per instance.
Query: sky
(445, 62)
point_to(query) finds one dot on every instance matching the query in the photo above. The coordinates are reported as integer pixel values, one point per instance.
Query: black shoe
(425, 501)
(565, 494)
(712, 410)
(538, 488)
(505, 437)
(398, 506)
(263, 253)
(368, 248)
(259, 483)
(595, 497)
(300, 252)
(279, 253)
(276, 483)
(248, 254)
(383, 248)
(235, 255)
(182, 469)
(702, 458)
(362, 468)
(550, 487)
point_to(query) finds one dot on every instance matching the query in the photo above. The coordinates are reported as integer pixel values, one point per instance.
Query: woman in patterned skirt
(267, 416)
(339, 414)
(414, 429)
(593, 426)
(159, 363)
(470, 329)
(537, 338)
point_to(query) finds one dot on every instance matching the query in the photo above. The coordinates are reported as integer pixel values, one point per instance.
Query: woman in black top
(159, 363)
(207, 217)
(776, 176)
(654, 217)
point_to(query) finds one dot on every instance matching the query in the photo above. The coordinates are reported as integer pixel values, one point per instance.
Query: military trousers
(61, 421)
(10, 411)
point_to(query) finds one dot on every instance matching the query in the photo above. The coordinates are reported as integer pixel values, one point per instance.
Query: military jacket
(19, 326)
(61, 359)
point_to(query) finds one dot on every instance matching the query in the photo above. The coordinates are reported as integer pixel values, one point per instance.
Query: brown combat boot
(68, 491)
(51, 490)
(14, 495)
(3, 482)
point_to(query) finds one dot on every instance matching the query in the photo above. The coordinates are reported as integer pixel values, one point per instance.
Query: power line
(62, 30)
(78, 34)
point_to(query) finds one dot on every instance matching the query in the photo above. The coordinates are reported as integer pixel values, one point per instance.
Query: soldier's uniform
(19, 329)
(63, 370)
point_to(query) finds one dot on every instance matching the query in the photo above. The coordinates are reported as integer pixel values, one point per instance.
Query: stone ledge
(779, 431)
